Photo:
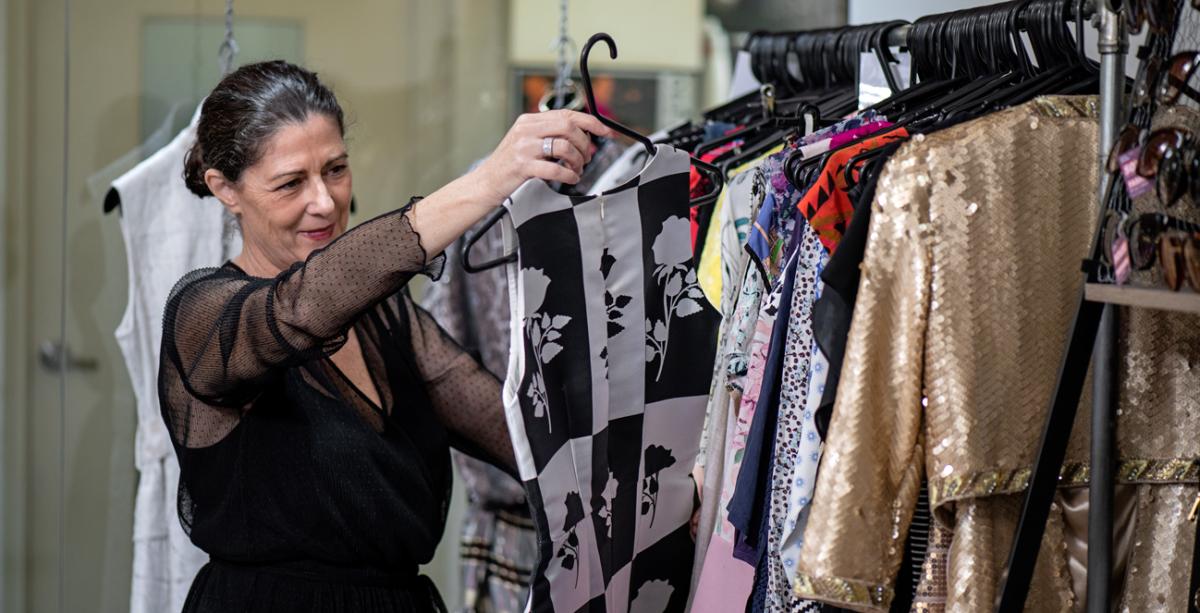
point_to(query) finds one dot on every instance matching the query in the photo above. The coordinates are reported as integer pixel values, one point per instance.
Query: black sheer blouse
(282, 459)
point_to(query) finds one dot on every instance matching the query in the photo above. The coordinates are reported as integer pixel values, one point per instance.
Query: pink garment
(852, 135)
(725, 582)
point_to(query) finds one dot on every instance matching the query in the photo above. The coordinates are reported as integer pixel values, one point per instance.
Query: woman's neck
(254, 263)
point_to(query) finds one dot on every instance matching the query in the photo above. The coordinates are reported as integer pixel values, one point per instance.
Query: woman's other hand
(523, 153)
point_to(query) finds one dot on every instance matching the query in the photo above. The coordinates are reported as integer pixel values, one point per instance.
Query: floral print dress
(612, 347)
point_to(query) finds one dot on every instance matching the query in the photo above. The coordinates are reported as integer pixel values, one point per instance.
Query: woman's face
(296, 198)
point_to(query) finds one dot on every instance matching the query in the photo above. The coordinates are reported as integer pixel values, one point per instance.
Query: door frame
(3, 304)
(14, 303)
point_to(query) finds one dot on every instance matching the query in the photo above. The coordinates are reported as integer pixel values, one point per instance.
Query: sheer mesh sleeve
(226, 333)
(465, 395)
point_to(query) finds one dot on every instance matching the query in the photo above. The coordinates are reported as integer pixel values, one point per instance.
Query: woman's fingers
(580, 141)
(565, 122)
(565, 151)
(589, 123)
(551, 171)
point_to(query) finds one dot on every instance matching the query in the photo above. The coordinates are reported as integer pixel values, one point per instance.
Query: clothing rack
(1092, 338)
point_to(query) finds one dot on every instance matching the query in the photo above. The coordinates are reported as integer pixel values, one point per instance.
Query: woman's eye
(337, 170)
(294, 183)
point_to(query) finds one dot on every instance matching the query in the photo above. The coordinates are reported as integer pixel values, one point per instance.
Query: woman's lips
(323, 234)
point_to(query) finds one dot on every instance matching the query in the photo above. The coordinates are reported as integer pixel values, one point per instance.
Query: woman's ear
(223, 189)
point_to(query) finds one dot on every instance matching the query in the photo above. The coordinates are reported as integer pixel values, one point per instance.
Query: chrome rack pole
(1114, 45)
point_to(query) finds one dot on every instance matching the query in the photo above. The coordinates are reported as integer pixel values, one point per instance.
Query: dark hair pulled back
(245, 109)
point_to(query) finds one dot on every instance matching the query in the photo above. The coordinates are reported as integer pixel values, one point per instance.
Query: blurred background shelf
(1184, 300)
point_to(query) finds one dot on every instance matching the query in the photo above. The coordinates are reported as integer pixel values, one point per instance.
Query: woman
(311, 403)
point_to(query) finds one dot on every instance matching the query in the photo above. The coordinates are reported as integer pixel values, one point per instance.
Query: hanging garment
(736, 207)
(721, 269)
(727, 575)
(832, 312)
(793, 442)
(612, 344)
(168, 232)
(738, 204)
(498, 542)
(963, 308)
(797, 441)
(826, 205)
(718, 579)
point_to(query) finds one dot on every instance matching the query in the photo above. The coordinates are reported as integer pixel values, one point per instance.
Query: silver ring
(548, 146)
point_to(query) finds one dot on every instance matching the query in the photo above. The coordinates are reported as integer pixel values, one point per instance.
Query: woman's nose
(322, 202)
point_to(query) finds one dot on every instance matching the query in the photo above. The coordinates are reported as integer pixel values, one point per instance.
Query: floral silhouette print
(544, 332)
(605, 505)
(568, 554)
(613, 304)
(657, 458)
(653, 596)
(681, 292)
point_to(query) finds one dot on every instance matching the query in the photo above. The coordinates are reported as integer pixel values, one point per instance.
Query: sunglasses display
(1147, 82)
(1129, 138)
(1168, 156)
(1173, 82)
(1156, 238)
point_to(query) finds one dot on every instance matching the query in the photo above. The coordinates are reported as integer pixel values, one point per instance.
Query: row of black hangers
(810, 79)
(971, 62)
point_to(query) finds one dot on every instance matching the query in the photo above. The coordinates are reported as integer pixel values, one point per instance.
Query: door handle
(55, 356)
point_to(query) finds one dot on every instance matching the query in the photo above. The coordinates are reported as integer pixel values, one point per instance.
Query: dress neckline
(660, 152)
(328, 359)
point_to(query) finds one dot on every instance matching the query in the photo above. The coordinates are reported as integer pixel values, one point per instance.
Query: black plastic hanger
(712, 173)
(473, 237)
(591, 96)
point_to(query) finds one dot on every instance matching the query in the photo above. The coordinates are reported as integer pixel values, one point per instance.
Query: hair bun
(244, 110)
(194, 169)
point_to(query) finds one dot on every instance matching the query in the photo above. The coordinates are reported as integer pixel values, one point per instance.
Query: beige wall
(424, 86)
(656, 35)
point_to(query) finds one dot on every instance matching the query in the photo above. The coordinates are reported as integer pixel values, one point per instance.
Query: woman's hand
(521, 155)
(444, 215)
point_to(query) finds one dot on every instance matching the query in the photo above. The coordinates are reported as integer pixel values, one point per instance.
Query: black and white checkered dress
(612, 350)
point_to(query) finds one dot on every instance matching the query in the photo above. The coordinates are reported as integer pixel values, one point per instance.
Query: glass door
(31, 299)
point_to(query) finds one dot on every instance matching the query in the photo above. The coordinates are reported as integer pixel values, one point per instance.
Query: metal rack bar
(1114, 44)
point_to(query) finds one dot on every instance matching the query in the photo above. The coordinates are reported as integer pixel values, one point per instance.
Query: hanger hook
(583, 65)
(591, 95)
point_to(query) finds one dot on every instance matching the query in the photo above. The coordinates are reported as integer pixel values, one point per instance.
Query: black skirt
(228, 587)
